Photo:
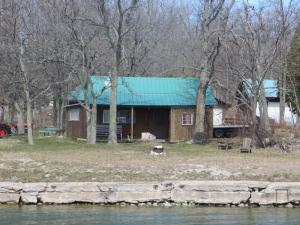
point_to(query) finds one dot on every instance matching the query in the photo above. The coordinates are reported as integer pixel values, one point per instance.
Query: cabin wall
(179, 132)
(76, 129)
(147, 119)
(165, 123)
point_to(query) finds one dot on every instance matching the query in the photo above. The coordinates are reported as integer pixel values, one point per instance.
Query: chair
(246, 148)
(225, 145)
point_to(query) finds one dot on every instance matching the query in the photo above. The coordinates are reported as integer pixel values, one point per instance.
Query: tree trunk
(1, 113)
(264, 116)
(112, 138)
(88, 125)
(29, 117)
(27, 94)
(254, 121)
(93, 122)
(200, 107)
(54, 112)
(282, 94)
(7, 113)
(61, 115)
(20, 112)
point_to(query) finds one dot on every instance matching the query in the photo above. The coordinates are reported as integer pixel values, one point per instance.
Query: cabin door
(159, 123)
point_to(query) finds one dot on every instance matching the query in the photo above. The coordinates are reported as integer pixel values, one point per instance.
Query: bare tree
(116, 18)
(254, 50)
(205, 40)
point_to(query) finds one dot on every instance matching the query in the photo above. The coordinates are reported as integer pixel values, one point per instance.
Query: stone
(29, 197)
(73, 187)
(277, 193)
(211, 186)
(145, 196)
(136, 186)
(210, 197)
(72, 197)
(146, 136)
(9, 197)
(34, 187)
(11, 187)
(167, 204)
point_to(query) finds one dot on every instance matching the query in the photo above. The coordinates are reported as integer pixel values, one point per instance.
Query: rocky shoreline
(169, 193)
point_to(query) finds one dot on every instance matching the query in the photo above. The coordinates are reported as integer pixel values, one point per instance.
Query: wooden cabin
(162, 106)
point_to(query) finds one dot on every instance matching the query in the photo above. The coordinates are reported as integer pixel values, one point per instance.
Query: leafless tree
(116, 18)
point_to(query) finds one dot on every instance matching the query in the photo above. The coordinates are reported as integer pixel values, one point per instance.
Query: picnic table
(225, 145)
(47, 131)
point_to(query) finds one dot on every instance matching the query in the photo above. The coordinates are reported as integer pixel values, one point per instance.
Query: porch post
(131, 132)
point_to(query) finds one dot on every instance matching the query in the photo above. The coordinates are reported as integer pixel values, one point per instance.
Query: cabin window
(123, 116)
(187, 118)
(105, 116)
(74, 115)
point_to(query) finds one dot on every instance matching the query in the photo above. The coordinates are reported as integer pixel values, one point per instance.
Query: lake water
(84, 215)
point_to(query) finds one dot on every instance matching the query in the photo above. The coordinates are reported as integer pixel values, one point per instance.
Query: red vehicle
(5, 129)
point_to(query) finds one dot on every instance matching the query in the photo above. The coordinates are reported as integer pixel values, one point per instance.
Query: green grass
(64, 159)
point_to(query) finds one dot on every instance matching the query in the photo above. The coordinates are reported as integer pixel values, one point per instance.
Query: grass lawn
(61, 159)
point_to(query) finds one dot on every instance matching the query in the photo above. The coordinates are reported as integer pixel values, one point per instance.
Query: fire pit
(157, 150)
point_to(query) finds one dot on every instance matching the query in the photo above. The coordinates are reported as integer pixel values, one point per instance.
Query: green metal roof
(148, 91)
(270, 86)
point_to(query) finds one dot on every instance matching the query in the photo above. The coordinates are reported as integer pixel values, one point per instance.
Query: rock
(9, 197)
(29, 198)
(184, 204)
(73, 187)
(210, 197)
(133, 196)
(146, 136)
(289, 205)
(34, 187)
(72, 197)
(212, 186)
(10, 187)
(167, 204)
(277, 193)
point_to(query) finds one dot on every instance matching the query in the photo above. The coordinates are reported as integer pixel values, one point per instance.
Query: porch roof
(147, 91)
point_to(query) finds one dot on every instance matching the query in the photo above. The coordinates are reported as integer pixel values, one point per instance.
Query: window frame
(72, 114)
(104, 121)
(105, 111)
(182, 119)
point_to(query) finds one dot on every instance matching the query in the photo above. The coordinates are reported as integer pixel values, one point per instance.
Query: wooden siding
(76, 129)
(165, 123)
(179, 132)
